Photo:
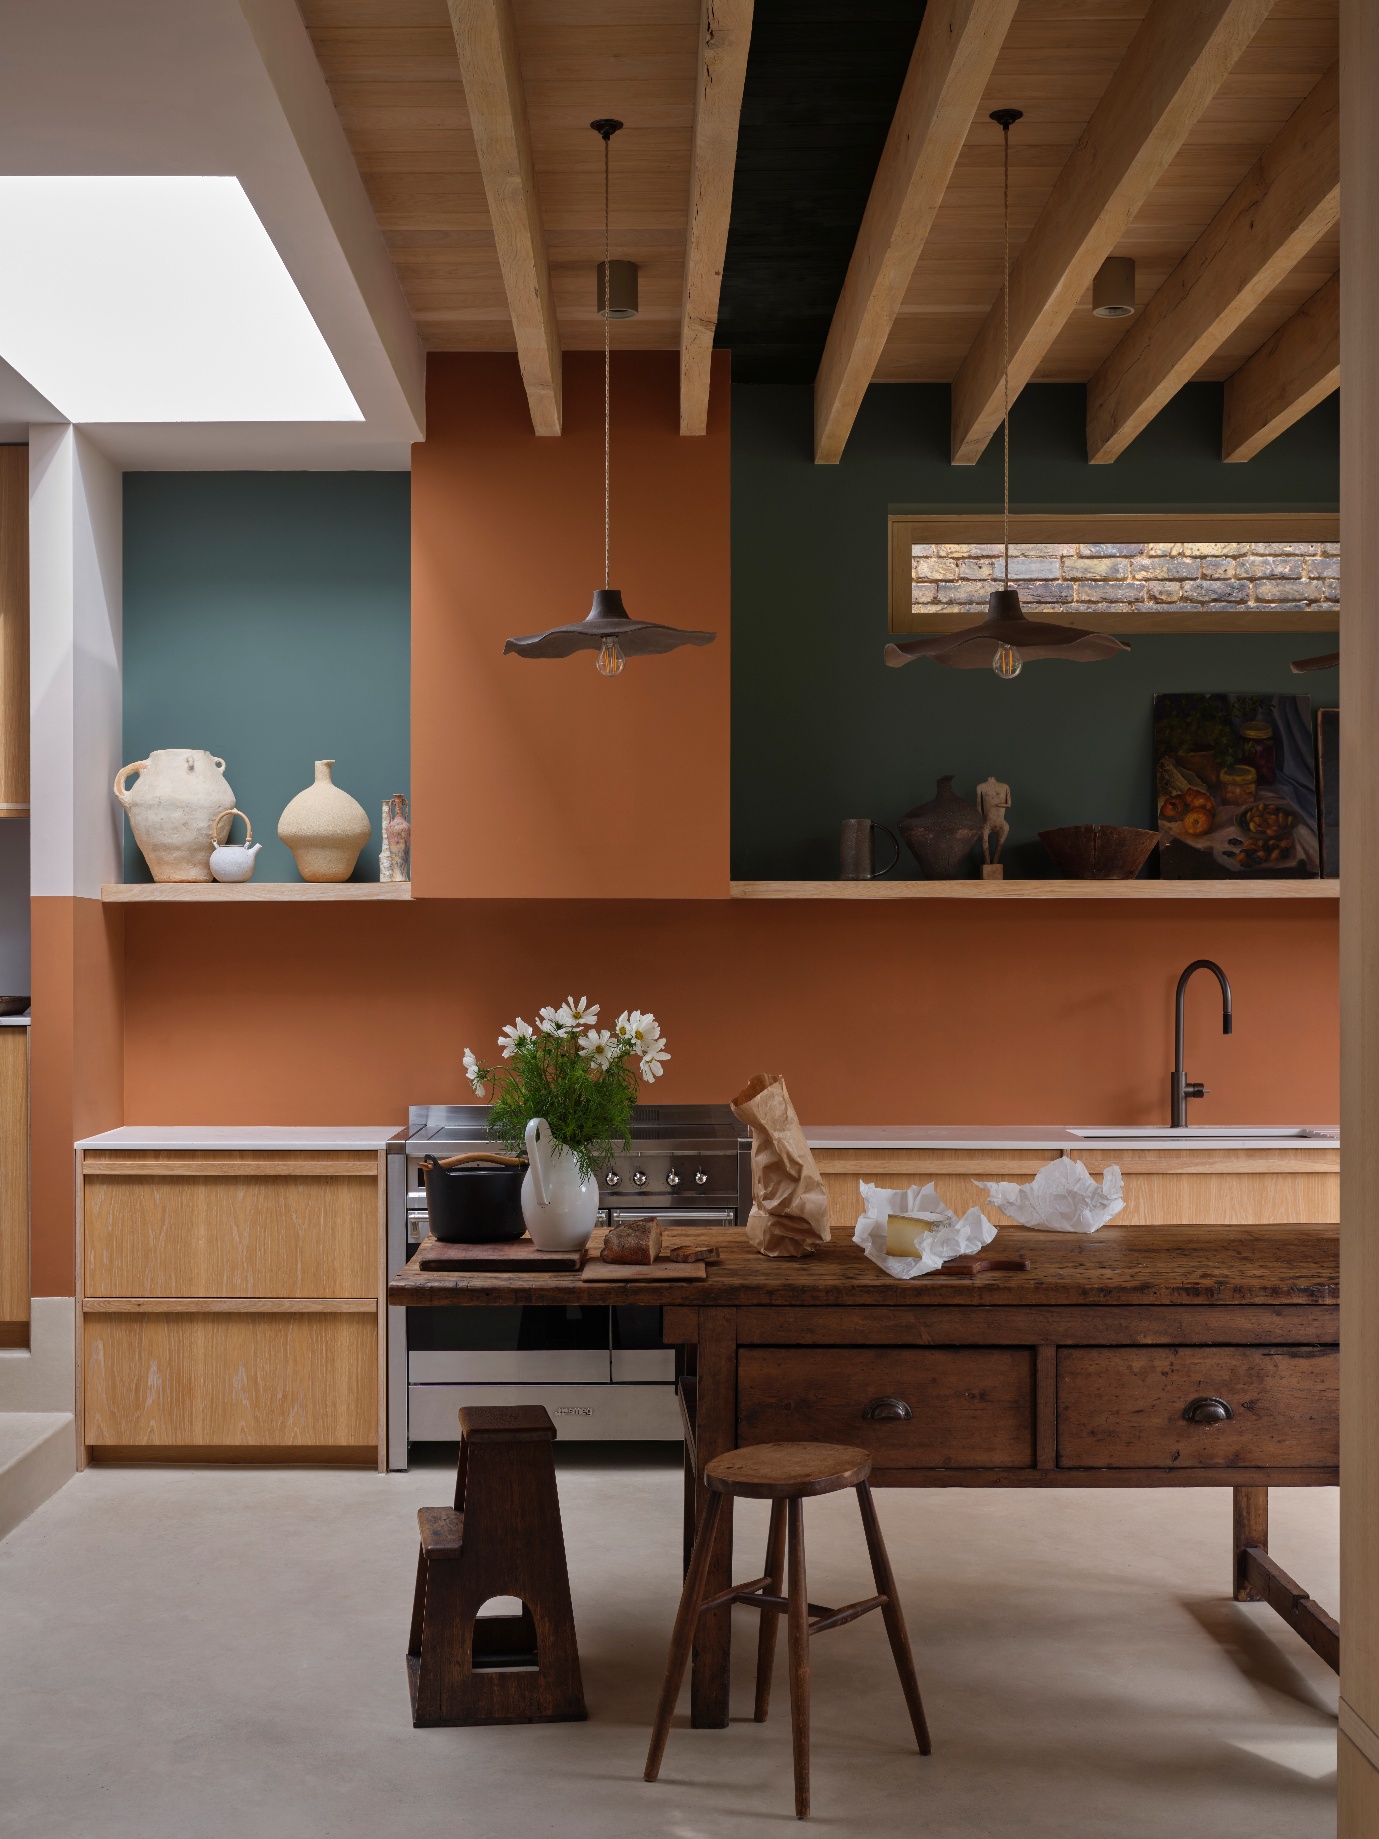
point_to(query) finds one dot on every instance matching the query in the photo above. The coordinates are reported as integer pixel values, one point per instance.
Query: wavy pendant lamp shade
(1006, 640)
(608, 628)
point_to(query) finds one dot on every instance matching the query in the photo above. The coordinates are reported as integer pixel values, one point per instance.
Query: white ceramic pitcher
(172, 805)
(559, 1205)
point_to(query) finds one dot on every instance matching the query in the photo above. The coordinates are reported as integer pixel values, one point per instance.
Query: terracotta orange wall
(544, 778)
(889, 1014)
(76, 1066)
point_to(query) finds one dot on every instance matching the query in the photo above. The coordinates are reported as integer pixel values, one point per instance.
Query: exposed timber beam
(486, 41)
(1173, 67)
(725, 31)
(958, 43)
(1289, 198)
(1290, 373)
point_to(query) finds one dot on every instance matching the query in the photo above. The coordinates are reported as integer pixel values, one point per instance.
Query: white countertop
(14, 1021)
(244, 1136)
(1060, 1137)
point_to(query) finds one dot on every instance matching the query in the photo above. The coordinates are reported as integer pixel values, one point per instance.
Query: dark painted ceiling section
(822, 84)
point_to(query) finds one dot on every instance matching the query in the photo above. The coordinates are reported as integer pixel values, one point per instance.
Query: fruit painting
(1235, 786)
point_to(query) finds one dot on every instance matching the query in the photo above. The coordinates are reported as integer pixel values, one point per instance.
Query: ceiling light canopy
(157, 299)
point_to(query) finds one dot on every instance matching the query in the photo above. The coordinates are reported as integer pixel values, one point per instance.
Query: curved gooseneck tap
(1181, 1089)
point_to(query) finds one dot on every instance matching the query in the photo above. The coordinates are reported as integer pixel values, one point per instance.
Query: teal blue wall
(267, 619)
(822, 730)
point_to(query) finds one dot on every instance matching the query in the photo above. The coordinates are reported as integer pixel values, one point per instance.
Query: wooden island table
(1137, 1357)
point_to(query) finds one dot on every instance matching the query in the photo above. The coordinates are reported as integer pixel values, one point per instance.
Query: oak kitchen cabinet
(230, 1294)
(14, 1183)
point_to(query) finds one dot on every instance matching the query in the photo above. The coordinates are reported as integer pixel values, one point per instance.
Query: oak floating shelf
(248, 893)
(1036, 890)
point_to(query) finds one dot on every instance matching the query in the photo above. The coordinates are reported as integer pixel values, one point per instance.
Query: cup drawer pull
(894, 1409)
(1208, 1411)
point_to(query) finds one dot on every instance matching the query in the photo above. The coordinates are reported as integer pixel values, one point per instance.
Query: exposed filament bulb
(611, 660)
(1007, 663)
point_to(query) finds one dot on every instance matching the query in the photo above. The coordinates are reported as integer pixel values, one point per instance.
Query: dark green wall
(822, 730)
(266, 619)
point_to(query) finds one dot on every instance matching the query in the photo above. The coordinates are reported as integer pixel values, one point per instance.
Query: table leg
(1249, 1526)
(717, 1433)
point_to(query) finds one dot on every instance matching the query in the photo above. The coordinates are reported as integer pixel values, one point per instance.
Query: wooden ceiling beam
(1173, 67)
(486, 42)
(1288, 199)
(1290, 373)
(957, 46)
(725, 32)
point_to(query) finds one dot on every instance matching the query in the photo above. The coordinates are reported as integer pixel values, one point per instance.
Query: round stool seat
(787, 1471)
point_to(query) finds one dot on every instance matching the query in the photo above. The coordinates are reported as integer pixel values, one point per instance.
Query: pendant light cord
(1005, 360)
(607, 367)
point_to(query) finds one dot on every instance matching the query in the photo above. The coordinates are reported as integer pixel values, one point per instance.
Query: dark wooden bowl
(1099, 852)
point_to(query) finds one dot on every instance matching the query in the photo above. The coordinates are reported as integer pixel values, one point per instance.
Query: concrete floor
(192, 1653)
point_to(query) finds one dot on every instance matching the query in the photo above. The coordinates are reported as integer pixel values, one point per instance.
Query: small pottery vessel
(395, 854)
(1100, 852)
(172, 807)
(559, 1205)
(941, 834)
(325, 829)
(233, 861)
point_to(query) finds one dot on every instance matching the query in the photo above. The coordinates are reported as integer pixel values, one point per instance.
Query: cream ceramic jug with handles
(171, 808)
(559, 1205)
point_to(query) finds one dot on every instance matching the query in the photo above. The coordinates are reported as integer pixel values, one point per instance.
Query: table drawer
(1124, 1407)
(969, 1407)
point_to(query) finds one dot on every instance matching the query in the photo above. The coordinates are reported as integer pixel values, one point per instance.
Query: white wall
(75, 564)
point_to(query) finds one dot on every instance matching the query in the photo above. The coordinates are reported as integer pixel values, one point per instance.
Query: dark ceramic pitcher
(941, 833)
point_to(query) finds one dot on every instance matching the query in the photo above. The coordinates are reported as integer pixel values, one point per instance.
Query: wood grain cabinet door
(912, 1407)
(1198, 1407)
(230, 1224)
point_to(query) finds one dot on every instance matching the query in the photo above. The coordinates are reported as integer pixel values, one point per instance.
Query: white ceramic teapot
(559, 1205)
(233, 861)
(171, 808)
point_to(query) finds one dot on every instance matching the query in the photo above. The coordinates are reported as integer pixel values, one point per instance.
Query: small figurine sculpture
(993, 800)
(395, 855)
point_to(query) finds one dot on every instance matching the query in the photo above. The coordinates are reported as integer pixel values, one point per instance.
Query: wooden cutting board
(508, 1255)
(665, 1270)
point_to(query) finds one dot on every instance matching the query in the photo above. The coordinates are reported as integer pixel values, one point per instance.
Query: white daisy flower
(512, 1035)
(641, 1030)
(652, 1066)
(473, 1073)
(599, 1048)
(574, 1015)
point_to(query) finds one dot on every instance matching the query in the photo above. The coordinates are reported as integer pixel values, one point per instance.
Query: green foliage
(588, 1108)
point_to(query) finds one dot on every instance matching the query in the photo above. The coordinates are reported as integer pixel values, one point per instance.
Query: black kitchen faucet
(1182, 1090)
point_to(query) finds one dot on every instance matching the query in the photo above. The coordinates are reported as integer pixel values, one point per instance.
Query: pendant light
(1006, 639)
(608, 628)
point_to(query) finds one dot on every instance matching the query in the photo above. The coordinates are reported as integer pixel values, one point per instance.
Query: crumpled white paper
(951, 1237)
(1063, 1197)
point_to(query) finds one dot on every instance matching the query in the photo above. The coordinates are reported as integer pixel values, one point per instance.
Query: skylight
(157, 300)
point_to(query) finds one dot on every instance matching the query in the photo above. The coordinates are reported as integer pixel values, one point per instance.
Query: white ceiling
(226, 88)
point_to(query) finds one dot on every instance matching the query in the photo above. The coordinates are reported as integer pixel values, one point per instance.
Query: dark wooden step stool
(785, 1474)
(502, 1538)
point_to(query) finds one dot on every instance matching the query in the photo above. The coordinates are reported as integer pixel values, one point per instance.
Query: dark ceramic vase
(940, 834)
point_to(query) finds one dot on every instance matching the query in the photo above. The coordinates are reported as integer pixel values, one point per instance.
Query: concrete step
(38, 1454)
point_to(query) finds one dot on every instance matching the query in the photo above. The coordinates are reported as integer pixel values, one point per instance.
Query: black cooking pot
(475, 1199)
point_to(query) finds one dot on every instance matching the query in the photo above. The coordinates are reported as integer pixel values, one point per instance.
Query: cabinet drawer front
(230, 1234)
(971, 1407)
(216, 1381)
(1122, 1407)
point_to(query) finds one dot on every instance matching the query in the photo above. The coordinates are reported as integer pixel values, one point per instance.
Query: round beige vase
(172, 807)
(325, 829)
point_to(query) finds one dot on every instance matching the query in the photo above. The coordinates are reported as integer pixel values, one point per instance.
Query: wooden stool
(503, 1538)
(785, 1474)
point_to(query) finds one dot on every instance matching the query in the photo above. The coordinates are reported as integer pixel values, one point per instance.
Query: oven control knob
(701, 1180)
(612, 1179)
(672, 1179)
(639, 1178)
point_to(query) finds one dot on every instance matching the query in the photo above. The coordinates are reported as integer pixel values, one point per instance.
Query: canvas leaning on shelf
(1235, 787)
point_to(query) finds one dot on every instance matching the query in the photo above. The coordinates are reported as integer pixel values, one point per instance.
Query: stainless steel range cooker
(600, 1372)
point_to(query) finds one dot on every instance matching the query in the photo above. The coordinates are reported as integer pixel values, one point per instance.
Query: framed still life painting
(1235, 786)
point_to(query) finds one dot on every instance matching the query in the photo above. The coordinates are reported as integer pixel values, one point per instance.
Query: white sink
(1164, 1133)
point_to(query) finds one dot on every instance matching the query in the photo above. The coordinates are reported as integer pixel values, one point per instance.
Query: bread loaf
(632, 1242)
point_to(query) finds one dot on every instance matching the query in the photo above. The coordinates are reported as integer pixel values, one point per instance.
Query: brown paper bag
(789, 1217)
